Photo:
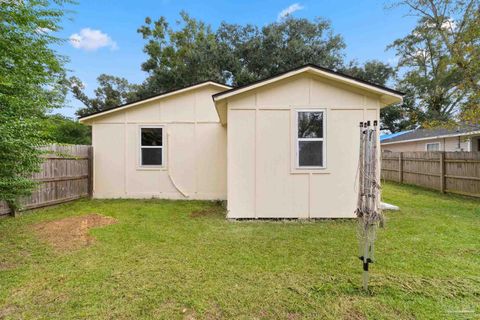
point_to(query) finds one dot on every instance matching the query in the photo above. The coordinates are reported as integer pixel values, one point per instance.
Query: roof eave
(453, 135)
(87, 119)
(388, 96)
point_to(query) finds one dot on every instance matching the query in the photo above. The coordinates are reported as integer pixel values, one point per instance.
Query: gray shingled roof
(432, 133)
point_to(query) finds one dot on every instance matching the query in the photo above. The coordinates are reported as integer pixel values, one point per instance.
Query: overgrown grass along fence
(454, 172)
(66, 174)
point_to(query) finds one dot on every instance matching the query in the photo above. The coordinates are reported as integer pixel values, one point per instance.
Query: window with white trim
(310, 135)
(434, 146)
(151, 146)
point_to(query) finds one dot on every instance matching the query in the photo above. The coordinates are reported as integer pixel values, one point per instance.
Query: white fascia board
(389, 97)
(435, 137)
(161, 96)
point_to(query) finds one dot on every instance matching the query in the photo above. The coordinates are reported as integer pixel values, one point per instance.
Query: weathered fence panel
(454, 172)
(65, 175)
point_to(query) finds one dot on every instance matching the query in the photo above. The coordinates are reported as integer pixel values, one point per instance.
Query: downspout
(168, 168)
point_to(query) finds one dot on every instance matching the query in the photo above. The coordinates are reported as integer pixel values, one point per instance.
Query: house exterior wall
(195, 150)
(446, 144)
(263, 181)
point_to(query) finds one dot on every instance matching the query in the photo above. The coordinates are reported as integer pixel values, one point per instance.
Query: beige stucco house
(464, 137)
(284, 147)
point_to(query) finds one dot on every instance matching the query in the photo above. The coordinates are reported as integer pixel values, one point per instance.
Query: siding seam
(255, 158)
(125, 176)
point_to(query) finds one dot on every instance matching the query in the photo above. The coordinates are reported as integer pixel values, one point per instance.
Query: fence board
(65, 175)
(455, 172)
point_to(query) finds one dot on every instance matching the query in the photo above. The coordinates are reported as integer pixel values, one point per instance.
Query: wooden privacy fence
(455, 172)
(65, 175)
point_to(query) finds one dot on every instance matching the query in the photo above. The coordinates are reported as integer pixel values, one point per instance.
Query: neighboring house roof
(153, 98)
(391, 94)
(392, 135)
(435, 133)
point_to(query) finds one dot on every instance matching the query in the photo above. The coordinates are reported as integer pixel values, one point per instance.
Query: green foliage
(178, 56)
(249, 53)
(394, 118)
(31, 83)
(233, 54)
(183, 259)
(441, 59)
(372, 71)
(60, 129)
(111, 92)
(192, 52)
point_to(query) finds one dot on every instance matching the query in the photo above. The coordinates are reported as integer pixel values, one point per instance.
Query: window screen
(151, 145)
(433, 146)
(310, 138)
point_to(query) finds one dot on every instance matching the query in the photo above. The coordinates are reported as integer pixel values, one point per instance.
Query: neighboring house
(464, 137)
(283, 147)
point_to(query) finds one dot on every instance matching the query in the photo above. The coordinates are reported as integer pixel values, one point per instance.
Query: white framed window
(433, 146)
(310, 139)
(151, 146)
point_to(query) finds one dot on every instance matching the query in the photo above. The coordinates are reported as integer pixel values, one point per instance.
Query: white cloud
(91, 40)
(289, 10)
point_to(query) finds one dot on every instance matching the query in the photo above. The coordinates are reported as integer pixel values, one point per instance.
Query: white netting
(368, 184)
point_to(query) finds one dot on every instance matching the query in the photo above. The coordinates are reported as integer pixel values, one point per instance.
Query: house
(464, 137)
(283, 147)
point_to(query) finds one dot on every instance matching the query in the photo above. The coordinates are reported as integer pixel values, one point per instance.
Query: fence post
(90, 171)
(442, 172)
(400, 167)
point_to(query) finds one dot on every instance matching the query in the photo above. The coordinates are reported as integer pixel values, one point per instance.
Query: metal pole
(365, 260)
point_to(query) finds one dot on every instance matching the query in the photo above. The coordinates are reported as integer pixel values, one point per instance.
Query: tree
(60, 129)
(192, 52)
(178, 58)
(233, 54)
(249, 53)
(429, 75)
(111, 92)
(373, 71)
(31, 83)
(402, 116)
(442, 57)
(393, 118)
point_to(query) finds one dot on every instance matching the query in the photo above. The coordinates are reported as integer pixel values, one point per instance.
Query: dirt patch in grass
(7, 311)
(353, 314)
(207, 212)
(71, 233)
(6, 266)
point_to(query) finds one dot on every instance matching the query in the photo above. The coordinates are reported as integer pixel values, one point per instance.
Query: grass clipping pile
(71, 233)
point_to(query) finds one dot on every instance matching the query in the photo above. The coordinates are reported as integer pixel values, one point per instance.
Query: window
(435, 146)
(310, 139)
(151, 146)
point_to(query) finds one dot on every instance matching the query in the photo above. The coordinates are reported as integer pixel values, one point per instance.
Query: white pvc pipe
(168, 169)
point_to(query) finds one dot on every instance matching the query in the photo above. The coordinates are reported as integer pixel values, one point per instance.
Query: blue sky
(106, 41)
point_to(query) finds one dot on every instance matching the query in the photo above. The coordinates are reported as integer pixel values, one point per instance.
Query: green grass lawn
(160, 262)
